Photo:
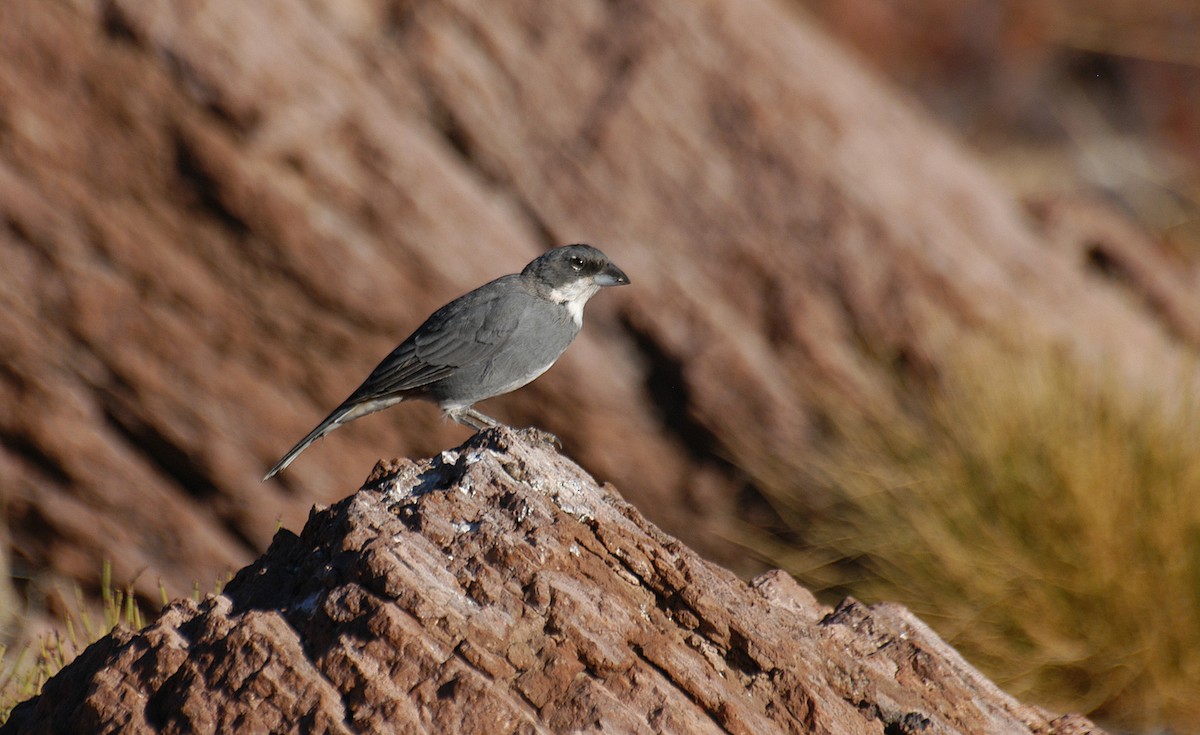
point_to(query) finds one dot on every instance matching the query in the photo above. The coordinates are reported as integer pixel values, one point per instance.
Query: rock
(216, 218)
(1118, 252)
(497, 588)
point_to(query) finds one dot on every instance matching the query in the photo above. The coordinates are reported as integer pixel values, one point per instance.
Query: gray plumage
(488, 342)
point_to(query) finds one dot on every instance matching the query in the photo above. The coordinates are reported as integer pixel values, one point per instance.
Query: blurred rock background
(1078, 98)
(914, 310)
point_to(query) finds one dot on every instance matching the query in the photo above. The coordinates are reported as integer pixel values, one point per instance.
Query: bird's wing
(467, 330)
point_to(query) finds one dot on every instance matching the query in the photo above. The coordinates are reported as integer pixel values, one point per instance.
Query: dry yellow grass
(1047, 525)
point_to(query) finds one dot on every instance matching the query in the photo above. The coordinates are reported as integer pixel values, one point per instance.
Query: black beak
(611, 276)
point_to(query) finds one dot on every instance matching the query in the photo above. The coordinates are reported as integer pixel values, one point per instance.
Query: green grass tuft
(40, 659)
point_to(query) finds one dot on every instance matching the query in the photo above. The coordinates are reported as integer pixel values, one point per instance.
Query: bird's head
(573, 274)
(574, 269)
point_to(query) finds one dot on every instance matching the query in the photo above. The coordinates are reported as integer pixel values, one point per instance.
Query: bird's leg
(478, 421)
(468, 416)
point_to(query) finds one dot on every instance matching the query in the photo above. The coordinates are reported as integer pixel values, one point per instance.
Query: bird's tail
(343, 414)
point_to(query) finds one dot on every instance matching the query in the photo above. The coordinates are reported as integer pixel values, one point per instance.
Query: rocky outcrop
(216, 217)
(497, 588)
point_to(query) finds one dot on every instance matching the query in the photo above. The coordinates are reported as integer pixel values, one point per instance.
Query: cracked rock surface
(216, 217)
(497, 588)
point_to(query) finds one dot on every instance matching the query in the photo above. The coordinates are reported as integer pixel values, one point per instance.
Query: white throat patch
(575, 295)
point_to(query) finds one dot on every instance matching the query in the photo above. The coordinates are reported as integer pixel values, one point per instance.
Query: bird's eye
(576, 262)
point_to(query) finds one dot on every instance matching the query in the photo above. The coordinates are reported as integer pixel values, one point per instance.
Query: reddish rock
(215, 218)
(497, 588)
(1126, 258)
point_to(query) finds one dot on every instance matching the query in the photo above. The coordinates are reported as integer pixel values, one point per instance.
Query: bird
(485, 343)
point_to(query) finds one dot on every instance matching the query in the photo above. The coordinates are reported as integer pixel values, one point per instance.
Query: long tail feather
(331, 422)
(343, 414)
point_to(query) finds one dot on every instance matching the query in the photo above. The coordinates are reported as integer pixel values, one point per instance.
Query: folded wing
(464, 332)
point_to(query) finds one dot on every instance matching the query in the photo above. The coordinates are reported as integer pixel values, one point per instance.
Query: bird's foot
(480, 422)
(533, 433)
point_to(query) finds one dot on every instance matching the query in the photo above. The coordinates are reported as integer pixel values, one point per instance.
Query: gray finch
(485, 343)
